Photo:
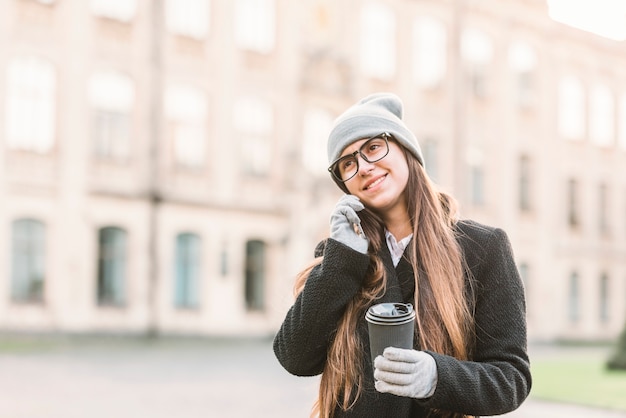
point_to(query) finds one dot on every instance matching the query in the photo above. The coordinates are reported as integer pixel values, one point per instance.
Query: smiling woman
(395, 238)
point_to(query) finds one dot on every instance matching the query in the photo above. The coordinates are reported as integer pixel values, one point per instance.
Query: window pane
(571, 108)
(28, 260)
(253, 119)
(429, 58)
(603, 207)
(317, 124)
(112, 97)
(30, 106)
(378, 41)
(255, 25)
(186, 109)
(188, 264)
(255, 275)
(477, 51)
(602, 116)
(111, 266)
(477, 185)
(111, 134)
(476, 46)
(574, 298)
(523, 63)
(522, 57)
(188, 17)
(604, 298)
(256, 155)
(572, 203)
(122, 10)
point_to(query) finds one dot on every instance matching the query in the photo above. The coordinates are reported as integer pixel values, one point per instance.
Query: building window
(255, 275)
(604, 298)
(429, 56)
(186, 109)
(378, 41)
(112, 98)
(525, 171)
(574, 298)
(602, 116)
(121, 10)
(571, 108)
(253, 119)
(111, 266)
(477, 51)
(523, 63)
(573, 217)
(430, 151)
(188, 270)
(28, 243)
(30, 104)
(603, 207)
(255, 25)
(477, 185)
(317, 125)
(188, 17)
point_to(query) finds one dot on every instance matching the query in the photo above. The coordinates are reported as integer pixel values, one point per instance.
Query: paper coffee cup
(390, 325)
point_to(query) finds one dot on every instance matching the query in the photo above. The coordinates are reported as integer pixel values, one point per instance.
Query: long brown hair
(444, 323)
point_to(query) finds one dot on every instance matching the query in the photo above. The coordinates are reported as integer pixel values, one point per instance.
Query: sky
(606, 18)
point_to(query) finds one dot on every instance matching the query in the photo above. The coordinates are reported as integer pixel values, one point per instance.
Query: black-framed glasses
(374, 149)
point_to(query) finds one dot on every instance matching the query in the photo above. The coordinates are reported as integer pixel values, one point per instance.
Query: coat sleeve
(498, 379)
(302, 342)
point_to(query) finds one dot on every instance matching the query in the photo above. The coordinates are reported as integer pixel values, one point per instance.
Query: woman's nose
(365, 166)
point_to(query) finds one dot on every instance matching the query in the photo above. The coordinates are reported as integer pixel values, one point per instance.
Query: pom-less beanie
(372, 115)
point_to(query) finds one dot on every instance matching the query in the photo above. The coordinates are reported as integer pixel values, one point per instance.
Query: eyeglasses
(374, 149)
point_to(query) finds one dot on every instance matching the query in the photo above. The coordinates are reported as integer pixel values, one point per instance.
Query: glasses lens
(372, 150)
(375, 149)
(346, 167)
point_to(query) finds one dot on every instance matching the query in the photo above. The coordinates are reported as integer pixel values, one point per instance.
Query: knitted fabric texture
(372, 115)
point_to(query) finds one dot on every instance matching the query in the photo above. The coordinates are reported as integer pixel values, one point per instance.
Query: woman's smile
(372, 184)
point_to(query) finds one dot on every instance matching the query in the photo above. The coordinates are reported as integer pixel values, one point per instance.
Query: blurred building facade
(162, 162)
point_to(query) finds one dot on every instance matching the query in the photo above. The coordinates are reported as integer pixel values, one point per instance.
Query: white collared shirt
(397, 248)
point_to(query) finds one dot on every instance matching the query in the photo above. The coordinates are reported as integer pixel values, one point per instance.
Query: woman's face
(380, 185)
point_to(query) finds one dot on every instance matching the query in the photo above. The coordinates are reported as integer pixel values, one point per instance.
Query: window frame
(28, 261)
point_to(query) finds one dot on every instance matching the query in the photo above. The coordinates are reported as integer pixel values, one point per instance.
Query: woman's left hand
(405, 372)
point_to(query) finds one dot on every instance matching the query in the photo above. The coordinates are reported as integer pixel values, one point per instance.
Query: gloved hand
(344, 223)
(404, 372)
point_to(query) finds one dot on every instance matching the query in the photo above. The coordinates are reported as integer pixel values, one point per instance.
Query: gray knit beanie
(372, 115)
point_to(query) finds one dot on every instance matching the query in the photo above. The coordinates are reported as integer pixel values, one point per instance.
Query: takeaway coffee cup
(390, 325)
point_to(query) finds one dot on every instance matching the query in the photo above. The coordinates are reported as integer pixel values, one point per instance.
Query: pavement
(187, 378)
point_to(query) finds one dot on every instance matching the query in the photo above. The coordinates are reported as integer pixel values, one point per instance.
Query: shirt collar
(396, 248)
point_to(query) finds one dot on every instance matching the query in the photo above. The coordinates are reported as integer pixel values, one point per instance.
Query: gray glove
(345, 225)
(404, 372)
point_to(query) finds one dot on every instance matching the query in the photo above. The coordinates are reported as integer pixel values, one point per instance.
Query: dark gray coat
(496, 381)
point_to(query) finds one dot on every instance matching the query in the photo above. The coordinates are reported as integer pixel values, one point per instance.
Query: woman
(395, 238)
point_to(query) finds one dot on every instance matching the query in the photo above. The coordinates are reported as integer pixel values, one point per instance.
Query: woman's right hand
(345, 225)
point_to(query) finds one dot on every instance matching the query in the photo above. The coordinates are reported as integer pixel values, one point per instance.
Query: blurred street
(169, 378)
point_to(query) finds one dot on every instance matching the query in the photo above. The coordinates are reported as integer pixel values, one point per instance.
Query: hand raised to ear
(344, 224)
